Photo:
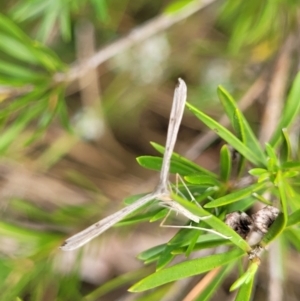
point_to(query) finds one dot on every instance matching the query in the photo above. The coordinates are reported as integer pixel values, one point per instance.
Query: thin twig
(136, 36)
(272, 112)
(276, 92)
(202, 284)
(85, 48)
(276, 273)
(79, 69)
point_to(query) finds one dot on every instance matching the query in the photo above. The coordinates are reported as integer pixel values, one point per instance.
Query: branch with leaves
(273, 169)
(34, 80)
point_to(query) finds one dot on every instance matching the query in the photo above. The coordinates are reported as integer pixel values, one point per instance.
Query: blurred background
(85, 86)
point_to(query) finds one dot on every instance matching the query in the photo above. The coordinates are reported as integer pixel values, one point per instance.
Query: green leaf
(283, 195)
(214, 222)
(294, 218)
(20, 72)
(27, 236)
(186, 269)
(245, 292)
(228, 137)
(242, 205)
(159, 215)
(291, 174)
(155, 163)
(28, 10)
(48, 21)
(19, 124)
(48, 115)
(276, 228)
(176, 6)
(195, 190)
(182, 237)
(286, 147)
(207, 193)
(151, 253)
(114, 284)
(257, 172)
(291, 165)
(29, 210)
(272, 167)
(17, 44)
(290, 111)
(65, 22)
(204, 239)
(293, 194)
(264, 177)
(22, 101)
(49, 13)
(17, 49)
(236, 195)
(261, 198)
(137, 218)
(165, 257)
(48, 59)
(177, 158)
(250, 27)
(240, 123)
(203, 245)
(273, 162)
(101, 10)
(246, 277)
(293, 236)
(202, 180)
(62, 112)
(241, 134)
(191, 245)
(225, 163)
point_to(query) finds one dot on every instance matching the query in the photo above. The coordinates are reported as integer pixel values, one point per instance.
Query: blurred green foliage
(236, 39)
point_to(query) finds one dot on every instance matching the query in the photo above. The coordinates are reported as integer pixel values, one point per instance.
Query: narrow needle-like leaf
(186, 269)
